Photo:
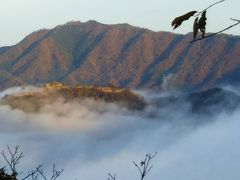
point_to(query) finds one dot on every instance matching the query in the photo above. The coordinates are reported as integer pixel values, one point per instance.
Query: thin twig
(209, 7)
(33, 173)
(235, 19)
(213, 34)
(55, 173)
(144, 165)
(14, 159)
(137, 167)
(113, 177)
(40, 171)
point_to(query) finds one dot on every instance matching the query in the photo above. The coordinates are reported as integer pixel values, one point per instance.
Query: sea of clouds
(90, 139)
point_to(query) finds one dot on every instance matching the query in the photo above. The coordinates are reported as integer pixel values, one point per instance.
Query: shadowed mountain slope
(92, 53)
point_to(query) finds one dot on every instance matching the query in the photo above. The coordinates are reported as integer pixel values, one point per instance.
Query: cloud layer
(89, 139)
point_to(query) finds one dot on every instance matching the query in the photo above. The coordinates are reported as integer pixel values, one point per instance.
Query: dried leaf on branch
(178, 20)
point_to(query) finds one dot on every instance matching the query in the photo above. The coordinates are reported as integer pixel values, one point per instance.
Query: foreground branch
(235, 19)
(144, 165)
(55, 173)
(14, 159)
(209, 7)
(213, 34)
(33, 174)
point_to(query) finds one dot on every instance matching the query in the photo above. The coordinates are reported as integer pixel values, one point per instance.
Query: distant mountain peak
(79, 23)
(93, 22)
(70, 23)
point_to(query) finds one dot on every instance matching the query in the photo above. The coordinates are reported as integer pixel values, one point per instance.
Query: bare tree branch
(55, 173)
(149, 170)
(33, 174)
(144, 165)
(213, 34)
(140, 171)
(209, 7)
(235, 19)
(14, 159)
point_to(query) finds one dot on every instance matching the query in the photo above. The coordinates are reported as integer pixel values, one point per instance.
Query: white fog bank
(90, 139)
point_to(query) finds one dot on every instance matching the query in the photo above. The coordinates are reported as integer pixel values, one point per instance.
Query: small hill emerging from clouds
(96, 54)
(204, 103)
(34, 101)
(209, 102)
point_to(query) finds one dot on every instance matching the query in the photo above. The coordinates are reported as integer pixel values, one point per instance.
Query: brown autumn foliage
(34, 101)
(124, 55)
(178, 20)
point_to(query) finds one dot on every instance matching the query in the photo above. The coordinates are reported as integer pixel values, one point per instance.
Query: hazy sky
(21, 17)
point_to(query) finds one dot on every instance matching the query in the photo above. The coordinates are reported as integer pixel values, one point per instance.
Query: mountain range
(96, 54)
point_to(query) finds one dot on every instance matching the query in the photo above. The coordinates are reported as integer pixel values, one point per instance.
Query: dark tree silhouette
(13, 157)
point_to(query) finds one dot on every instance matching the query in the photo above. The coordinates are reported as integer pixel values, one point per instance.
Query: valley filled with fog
(90, 139)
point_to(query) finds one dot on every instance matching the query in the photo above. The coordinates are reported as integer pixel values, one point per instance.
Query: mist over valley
(90, 138)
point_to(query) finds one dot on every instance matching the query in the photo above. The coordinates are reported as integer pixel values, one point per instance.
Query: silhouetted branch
(111, 177)
(209, 7)
(14, 158)
(235, 19)
(55, 173)
(213, 34)
(144, 165)
(33, 174)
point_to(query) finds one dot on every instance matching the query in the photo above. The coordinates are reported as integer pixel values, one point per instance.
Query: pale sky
(21, 17)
